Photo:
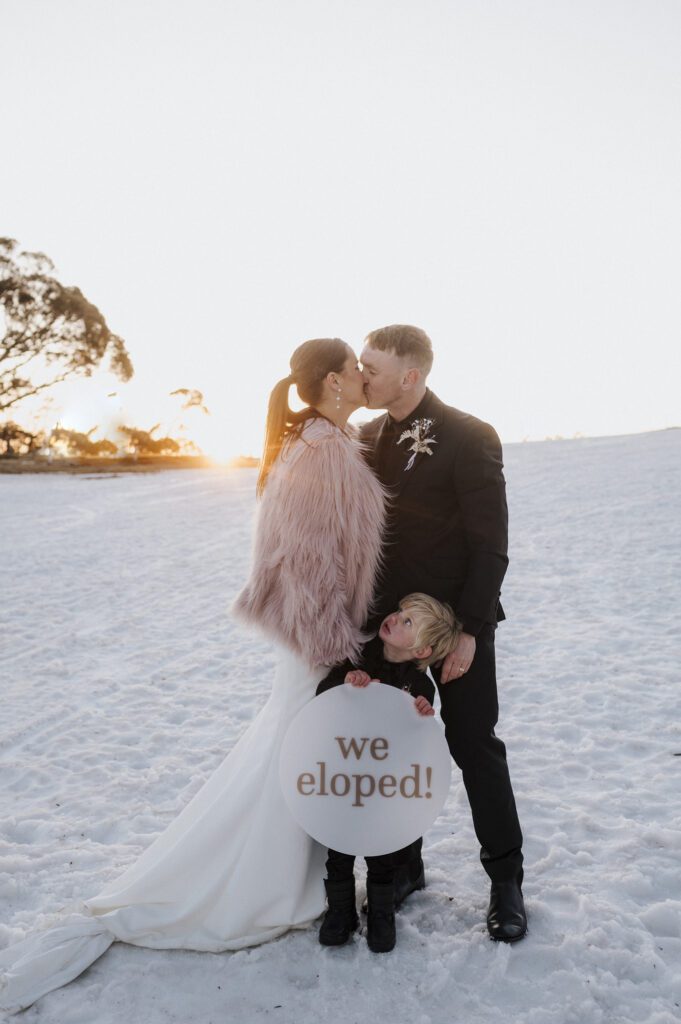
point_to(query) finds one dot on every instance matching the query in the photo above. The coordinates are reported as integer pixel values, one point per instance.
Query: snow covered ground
(124, 683)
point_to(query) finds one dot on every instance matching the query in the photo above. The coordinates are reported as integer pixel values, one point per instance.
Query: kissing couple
(348, 526)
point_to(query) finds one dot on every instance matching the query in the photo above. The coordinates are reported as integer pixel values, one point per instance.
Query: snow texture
(124, 682)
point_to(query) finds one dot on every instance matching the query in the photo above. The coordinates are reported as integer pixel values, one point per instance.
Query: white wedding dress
(232, 870)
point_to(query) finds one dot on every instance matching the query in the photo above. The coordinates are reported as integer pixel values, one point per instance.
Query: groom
(447, 536)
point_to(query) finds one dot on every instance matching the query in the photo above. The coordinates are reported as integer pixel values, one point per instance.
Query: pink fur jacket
(317, 546)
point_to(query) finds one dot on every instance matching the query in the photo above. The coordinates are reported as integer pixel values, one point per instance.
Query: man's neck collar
(400, 416)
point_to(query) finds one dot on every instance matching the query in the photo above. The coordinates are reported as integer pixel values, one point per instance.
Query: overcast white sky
(226, 179)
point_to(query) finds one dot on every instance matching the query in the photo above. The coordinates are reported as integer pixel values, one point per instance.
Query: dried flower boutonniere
(420, 440)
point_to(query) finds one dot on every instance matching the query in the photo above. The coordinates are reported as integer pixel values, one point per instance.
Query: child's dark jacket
(404, 675)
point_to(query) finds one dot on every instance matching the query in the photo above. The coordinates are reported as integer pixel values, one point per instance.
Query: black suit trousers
(470, 710)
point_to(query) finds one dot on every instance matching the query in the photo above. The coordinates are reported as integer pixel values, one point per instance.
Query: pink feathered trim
(317, 547)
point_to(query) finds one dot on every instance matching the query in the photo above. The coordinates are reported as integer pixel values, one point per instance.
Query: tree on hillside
(72, 442)
(140, 442)
(14, 440)
(49, 325)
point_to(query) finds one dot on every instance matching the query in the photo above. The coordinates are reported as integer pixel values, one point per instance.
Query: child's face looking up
(400, 630)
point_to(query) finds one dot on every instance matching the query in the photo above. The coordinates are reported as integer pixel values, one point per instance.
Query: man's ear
(411, 378)
(423, 652)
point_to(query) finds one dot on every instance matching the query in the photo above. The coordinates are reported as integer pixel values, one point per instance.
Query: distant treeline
(16, 441)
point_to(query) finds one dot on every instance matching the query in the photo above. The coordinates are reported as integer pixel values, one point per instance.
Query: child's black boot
(380, 916)
(340, 920)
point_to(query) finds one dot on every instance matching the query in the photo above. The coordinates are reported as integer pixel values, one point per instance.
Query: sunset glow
(485, 172)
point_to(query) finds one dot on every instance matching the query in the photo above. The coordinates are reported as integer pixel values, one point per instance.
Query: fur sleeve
(317, 548)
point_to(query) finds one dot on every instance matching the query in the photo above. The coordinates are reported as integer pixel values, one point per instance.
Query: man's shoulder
(464, 424)
(450, 414)
(460, 424)
(437, 408)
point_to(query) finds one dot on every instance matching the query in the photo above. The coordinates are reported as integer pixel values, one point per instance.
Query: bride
(234, 869)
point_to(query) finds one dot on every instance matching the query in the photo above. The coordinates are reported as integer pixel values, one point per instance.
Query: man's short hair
(438, 627)
(404, 340)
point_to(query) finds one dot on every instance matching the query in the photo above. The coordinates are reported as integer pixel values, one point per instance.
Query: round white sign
(362, 772)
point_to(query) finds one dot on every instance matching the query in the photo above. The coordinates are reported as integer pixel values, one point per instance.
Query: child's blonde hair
(438, 627)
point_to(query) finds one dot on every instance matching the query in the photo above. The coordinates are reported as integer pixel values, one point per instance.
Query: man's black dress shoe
(506, 918)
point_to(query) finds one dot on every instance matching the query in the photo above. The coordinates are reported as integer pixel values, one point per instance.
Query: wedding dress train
(232, 870)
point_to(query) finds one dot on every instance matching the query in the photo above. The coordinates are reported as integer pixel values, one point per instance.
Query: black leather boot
(506, 918)
(340, 919)
(409, 878)
(381, 917)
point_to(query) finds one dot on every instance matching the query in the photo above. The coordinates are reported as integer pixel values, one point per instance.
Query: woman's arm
(317, 549)
(331, 509)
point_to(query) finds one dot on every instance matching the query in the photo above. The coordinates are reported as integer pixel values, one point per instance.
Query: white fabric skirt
(232, 870)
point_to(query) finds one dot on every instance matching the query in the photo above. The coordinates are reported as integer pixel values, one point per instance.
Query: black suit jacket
(448, 522)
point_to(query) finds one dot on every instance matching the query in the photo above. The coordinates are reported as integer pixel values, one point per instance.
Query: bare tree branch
(8, 402)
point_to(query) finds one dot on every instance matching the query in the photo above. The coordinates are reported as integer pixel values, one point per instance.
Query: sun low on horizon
(101, 405)
(227, 421)
(484, 172)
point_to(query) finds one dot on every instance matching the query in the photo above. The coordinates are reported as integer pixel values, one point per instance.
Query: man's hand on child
(459, 661)
(423, 706)
(358, 678)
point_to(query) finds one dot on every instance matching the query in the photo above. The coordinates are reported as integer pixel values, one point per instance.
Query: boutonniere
(418, 434)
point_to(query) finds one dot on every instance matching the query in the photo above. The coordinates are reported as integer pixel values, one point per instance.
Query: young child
(420, 633)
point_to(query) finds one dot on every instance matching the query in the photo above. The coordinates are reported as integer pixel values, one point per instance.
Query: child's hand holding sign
(359, 678)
